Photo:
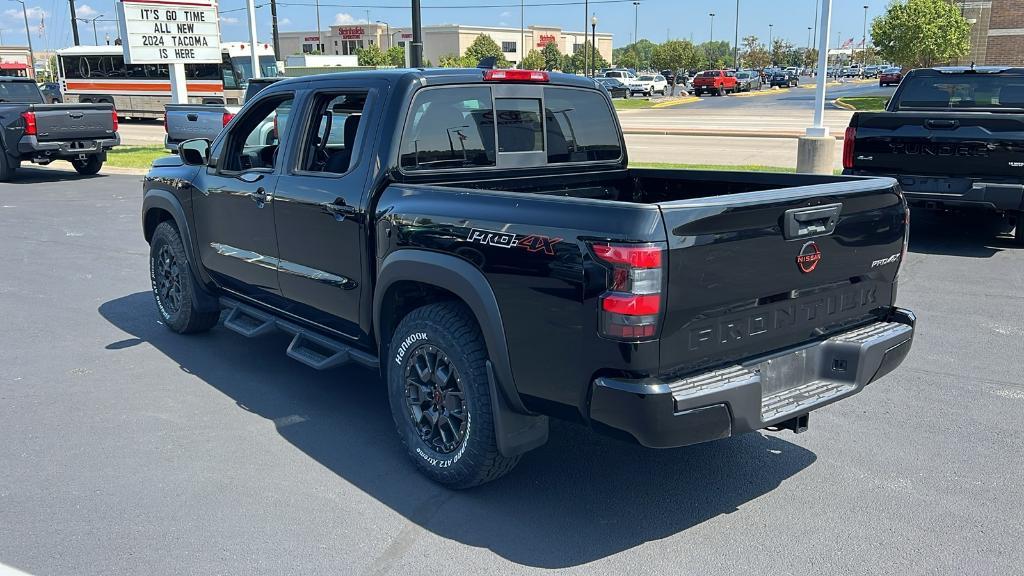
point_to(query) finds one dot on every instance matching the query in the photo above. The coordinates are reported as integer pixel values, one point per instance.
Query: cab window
(252, 143)
(449, 128)
(331, 138)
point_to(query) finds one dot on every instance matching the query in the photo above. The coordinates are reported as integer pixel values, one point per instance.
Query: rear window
(710, 74)
(20, 92)
(962, 91)
(455, 128)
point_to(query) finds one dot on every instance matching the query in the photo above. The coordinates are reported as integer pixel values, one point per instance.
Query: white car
(649, 85)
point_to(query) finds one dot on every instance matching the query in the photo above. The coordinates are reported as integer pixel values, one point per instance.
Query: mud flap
(515, 433)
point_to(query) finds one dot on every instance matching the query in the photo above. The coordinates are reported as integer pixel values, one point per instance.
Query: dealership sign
(546, 39)
(167, 32)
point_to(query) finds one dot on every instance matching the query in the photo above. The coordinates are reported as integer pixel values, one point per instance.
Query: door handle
(339, 209)
(942, 124)
(192, 117)
(260, 197)
(811, 222)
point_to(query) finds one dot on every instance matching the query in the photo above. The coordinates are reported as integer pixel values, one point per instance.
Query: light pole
(522, 32)
(816, 148)
(387, 31)
(586, 10)
(74, 22)
(864, 39)
(736, 40)
(636, 19)
(95, 37)
(771, 48)
(416, 47)
(28, 34)
(321, 48)
(711, 39)
(593, 45)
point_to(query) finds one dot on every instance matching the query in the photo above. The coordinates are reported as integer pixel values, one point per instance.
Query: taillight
(516, 75)
(30, 123)
(227, 118)
(851, 135)
(631, 307)
(113, 116)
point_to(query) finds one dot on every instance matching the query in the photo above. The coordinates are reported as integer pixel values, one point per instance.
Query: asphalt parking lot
(131, 450)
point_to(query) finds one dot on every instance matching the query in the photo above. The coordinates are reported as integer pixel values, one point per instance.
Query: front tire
(721, 90)
(183, 306)
(440, 396)
(88, 167)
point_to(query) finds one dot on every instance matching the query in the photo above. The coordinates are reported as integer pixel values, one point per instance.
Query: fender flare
(465, 281)
(160, 199)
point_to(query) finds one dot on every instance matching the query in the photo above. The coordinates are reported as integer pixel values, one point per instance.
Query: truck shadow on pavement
(580, 498)
(60, 172)
(971, 234)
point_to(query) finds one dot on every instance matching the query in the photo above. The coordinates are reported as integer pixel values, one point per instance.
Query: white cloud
(85, 11)
(229, 20)
(505, 14)
(344, 19)
(283, 21)
(34, 13)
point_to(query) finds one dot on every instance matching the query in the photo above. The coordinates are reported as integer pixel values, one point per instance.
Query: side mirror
(195, 152)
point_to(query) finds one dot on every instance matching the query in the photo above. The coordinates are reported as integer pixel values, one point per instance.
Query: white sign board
(172, 31)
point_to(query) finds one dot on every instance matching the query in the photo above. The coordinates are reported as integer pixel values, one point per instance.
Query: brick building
(1005, 34)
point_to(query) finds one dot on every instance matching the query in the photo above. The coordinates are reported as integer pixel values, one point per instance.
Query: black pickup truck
(477, 237)
(41, 133)
(953, 137)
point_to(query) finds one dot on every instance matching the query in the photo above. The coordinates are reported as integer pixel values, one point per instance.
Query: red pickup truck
(718, 82)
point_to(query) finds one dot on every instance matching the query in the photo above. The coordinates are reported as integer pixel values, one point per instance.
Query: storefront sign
(546, 39)
(351, 32)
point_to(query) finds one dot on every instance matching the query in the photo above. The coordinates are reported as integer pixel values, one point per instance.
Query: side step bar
(312, 349)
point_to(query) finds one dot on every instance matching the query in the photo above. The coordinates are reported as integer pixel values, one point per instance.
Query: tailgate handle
(811, 222)
(192, 117)
(942, 124)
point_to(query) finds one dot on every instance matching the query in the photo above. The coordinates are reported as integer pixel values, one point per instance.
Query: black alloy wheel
(435, 400)
(167, 280)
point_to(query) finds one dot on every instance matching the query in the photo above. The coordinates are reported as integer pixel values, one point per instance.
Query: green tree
(638, 52)
(395, 56)
(552, 56)
(576, 61)
(921, 33)
(676, 55)
(371, 56)
(450, 61)
(534, 61)
(628, 60)
(780, 52)
(482, 47)
(754, 55)
(717, 54)
(811, 57)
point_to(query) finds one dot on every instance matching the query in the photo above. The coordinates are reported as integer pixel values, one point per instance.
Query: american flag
(847, 44)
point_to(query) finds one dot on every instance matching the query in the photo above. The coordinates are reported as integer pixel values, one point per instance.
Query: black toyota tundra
(36, 132)
(953, 137)
(478, 237)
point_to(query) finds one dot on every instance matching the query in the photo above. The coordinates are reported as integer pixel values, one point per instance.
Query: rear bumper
(763, 392)
(952, 192)
(31, 147)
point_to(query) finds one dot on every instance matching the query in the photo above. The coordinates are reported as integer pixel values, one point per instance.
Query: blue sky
(658, 19)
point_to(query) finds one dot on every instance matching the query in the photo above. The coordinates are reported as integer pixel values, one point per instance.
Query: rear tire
(90, 166)
(440, 396)
(183, 305)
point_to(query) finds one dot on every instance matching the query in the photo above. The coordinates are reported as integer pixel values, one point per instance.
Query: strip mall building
(440, 40)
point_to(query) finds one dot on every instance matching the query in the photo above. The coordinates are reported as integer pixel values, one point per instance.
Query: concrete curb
(108, 170)
(838, 103)
(676, 102)
(719, 133)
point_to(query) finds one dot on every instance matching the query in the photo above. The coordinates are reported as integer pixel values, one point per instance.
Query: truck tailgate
(947, 144)
(63, 122)
(755, 272)
(186, 121)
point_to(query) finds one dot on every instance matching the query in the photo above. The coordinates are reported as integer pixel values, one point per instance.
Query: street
(132, 450)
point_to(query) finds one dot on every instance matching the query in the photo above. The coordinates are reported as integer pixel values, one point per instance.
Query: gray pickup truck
(41, 133)
(186, 121)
